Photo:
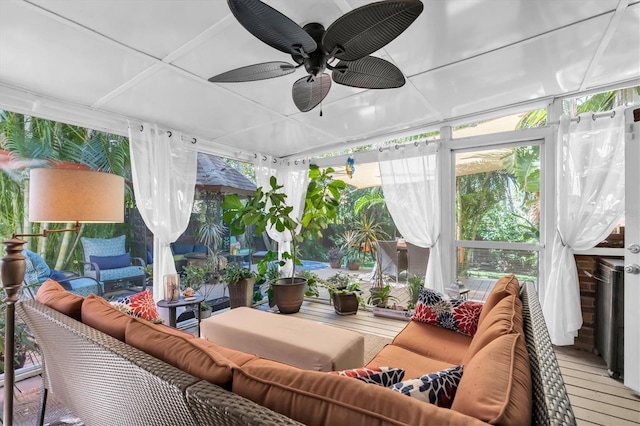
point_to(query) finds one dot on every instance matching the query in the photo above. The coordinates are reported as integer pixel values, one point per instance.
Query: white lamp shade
(67, 195)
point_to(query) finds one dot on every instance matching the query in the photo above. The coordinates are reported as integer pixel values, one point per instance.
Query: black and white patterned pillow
(437, 388)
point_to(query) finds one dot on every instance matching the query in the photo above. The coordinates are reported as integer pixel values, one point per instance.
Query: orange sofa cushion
(505, 286)
(317, 398)
(504, 318)
(433, 342)
(496, 383)
(197, 357)
(103, 316)
(414, 365)
(56, 297)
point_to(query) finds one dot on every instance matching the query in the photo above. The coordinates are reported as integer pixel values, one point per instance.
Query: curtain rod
(594, 117)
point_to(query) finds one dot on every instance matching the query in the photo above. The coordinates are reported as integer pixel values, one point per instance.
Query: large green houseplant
(268, 208)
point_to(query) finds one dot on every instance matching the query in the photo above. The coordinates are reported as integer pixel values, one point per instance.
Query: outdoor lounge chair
(37, 271)
(107, 260)
(392, 260)
(418, 258)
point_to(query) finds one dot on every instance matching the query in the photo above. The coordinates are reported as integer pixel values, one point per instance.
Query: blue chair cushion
(199, 248)
(116, 274)
(101, 247)
(61, 279)
(111, 262)
(37, 269)
(182, 248)
(83, 286)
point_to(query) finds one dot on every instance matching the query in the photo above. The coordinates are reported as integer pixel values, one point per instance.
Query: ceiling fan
(350, 40)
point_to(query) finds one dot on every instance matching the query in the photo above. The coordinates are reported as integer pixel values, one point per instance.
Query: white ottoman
(293, 341)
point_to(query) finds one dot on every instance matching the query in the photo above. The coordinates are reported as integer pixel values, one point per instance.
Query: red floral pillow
(382, 376)
(454, 314)
(139, 305)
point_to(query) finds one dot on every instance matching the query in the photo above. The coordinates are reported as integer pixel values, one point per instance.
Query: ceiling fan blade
(254, 72)
(307, 94)
(368, 73)
(369, 28)
(271, 26)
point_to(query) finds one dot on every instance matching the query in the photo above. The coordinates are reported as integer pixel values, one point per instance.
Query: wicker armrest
(550, 399)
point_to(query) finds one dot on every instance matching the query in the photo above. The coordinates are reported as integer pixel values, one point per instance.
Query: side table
(179, 303)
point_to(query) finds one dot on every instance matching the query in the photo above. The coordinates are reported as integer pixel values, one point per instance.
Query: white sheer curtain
(590, 202)
(164, 178)
(294, 177)
(411, 187)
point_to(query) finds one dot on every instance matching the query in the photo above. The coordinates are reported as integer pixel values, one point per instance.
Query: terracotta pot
(345, 303)
(241, 293)
(353, 266)
(335, 263)
(289, 296)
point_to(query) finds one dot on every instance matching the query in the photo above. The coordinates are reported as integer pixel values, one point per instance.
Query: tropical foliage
(35, 142)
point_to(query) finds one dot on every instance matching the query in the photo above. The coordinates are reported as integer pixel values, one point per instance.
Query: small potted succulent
(239, 281)
(344, 293)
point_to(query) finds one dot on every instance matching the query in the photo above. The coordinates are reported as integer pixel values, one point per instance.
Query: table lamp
(60, 196)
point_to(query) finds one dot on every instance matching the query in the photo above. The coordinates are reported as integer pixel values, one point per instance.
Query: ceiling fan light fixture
(350, 39)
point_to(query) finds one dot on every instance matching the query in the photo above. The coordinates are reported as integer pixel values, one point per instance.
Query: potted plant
(344, 294)
(380, 297)
(268, 208)
(415, 284)
(352, 256)
(335, 257)
(195, 277)
(239, 281)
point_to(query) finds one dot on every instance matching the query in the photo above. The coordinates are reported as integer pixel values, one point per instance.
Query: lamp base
(12, 270)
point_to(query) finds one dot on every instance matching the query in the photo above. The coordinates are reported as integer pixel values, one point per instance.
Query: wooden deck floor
(596, 398)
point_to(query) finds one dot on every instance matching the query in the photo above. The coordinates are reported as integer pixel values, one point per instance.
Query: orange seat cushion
(496, 383)
(53, 295)
(433, 342)
(507, 285)
(414, 365)
(103, 316)
(318, 398)
(195, 356)
(504, 318)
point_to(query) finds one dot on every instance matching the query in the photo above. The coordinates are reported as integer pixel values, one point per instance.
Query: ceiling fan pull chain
(320, 109)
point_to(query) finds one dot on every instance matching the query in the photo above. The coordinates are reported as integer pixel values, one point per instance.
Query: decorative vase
(241, 293)
(205, 313)
(171, 287)
(289, 295)
(345, 303)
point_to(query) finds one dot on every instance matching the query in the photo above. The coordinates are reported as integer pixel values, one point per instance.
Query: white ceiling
(99, 63)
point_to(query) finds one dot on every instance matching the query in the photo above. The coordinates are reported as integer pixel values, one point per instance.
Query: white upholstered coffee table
(290, 340)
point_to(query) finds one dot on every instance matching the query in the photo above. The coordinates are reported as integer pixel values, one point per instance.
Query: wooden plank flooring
(596, 398)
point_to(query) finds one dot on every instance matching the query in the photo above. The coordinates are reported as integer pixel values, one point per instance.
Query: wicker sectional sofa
(107, 368)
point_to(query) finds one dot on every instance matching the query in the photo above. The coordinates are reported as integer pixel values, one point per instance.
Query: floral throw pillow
(139, 305)
(454, 314)
(437, 388)
(382, 376)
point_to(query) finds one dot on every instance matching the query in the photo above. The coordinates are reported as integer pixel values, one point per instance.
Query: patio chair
(418, 258)
(37, 271)
(107, 260)
(392, 260)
